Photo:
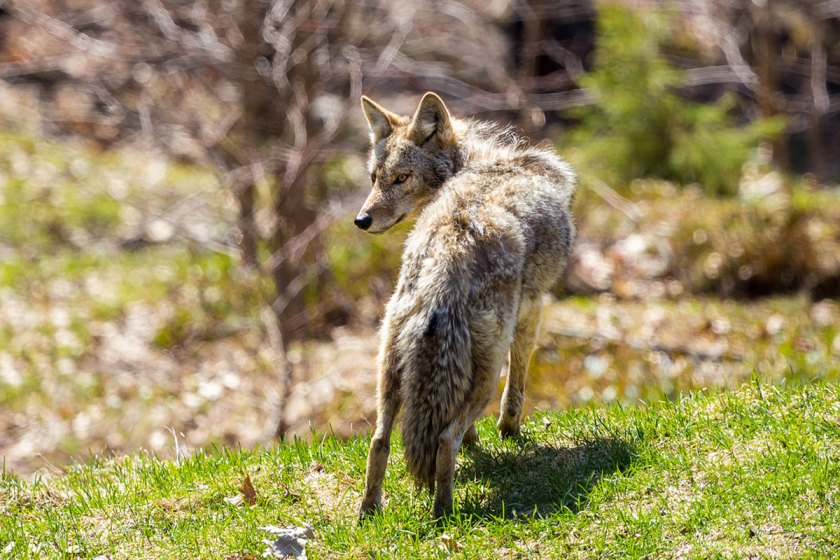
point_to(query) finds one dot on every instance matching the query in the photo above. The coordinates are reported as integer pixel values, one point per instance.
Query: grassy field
(130, 332)
(750, 473)
(126, 316)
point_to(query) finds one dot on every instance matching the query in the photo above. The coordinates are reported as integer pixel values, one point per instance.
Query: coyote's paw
(440, 512)
(508, 428)
(367, 509)
(470, 438)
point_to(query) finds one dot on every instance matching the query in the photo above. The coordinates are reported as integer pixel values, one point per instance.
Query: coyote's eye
(372, 178)
(400, 179)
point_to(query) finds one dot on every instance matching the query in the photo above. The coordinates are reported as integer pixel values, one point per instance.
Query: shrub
(641, 127)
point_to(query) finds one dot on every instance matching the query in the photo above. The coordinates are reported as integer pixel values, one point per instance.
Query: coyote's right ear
(380, 119)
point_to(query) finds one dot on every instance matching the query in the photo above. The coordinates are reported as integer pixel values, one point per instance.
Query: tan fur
(494, 233)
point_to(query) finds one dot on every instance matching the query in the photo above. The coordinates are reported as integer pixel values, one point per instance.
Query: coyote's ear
(431, 119)
(380, 119)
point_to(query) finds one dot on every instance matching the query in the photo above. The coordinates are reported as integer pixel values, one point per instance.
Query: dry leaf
(248, 491)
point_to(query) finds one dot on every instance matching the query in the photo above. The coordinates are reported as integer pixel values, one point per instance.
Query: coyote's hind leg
(380, 447)
(387, 406)
(524, 338)
(470, 437)
(449, 442)
(487, 361)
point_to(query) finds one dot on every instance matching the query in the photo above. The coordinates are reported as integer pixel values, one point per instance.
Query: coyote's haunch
(494, 231)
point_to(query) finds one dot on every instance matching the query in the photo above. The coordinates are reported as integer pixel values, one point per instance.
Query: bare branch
(206, 41)
(61, 30)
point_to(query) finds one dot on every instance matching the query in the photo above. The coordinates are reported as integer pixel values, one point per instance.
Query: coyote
(494, 231)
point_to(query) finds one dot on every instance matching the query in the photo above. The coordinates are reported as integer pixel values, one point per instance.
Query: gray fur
(494, 232)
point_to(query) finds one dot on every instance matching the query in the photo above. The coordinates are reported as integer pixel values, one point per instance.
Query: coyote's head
(410, 159)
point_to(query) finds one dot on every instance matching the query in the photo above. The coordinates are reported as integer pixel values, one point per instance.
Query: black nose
(363, 221)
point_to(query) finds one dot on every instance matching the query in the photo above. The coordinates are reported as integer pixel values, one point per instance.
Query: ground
(749, 473)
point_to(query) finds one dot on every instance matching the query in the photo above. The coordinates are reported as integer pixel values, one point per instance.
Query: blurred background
(178, 263)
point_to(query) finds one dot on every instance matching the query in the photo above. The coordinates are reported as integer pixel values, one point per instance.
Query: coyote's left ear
(431, 120)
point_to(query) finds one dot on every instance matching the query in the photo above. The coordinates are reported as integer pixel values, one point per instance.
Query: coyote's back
(494, 231)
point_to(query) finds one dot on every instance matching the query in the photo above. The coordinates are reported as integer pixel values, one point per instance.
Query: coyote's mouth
(395, 222)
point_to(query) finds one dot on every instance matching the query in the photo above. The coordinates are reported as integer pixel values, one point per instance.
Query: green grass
(742, 474)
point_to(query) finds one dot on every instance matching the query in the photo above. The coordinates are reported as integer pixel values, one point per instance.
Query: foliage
(781, 241)
(751, 473)
(361, 261)
(758, 247)
(641, 127)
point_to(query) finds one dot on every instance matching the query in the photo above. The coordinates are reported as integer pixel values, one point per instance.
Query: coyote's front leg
(387, 407)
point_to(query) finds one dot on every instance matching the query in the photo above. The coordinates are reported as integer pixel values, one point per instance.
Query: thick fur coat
(494, 232)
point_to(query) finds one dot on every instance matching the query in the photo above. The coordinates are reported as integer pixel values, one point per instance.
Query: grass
(742, 474)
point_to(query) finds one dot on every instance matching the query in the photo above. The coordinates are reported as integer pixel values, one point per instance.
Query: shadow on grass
(538, 478)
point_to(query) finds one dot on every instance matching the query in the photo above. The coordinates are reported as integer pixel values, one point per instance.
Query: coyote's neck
(485, 143)
(481, 142)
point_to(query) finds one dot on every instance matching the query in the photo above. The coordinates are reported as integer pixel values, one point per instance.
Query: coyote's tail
(437, 377)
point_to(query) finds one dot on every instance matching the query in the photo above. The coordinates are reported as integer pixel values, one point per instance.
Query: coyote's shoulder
(503, 184)
(494, 231)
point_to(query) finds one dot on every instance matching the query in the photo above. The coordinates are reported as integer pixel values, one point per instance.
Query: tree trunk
(765, 50)
(819, 93)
